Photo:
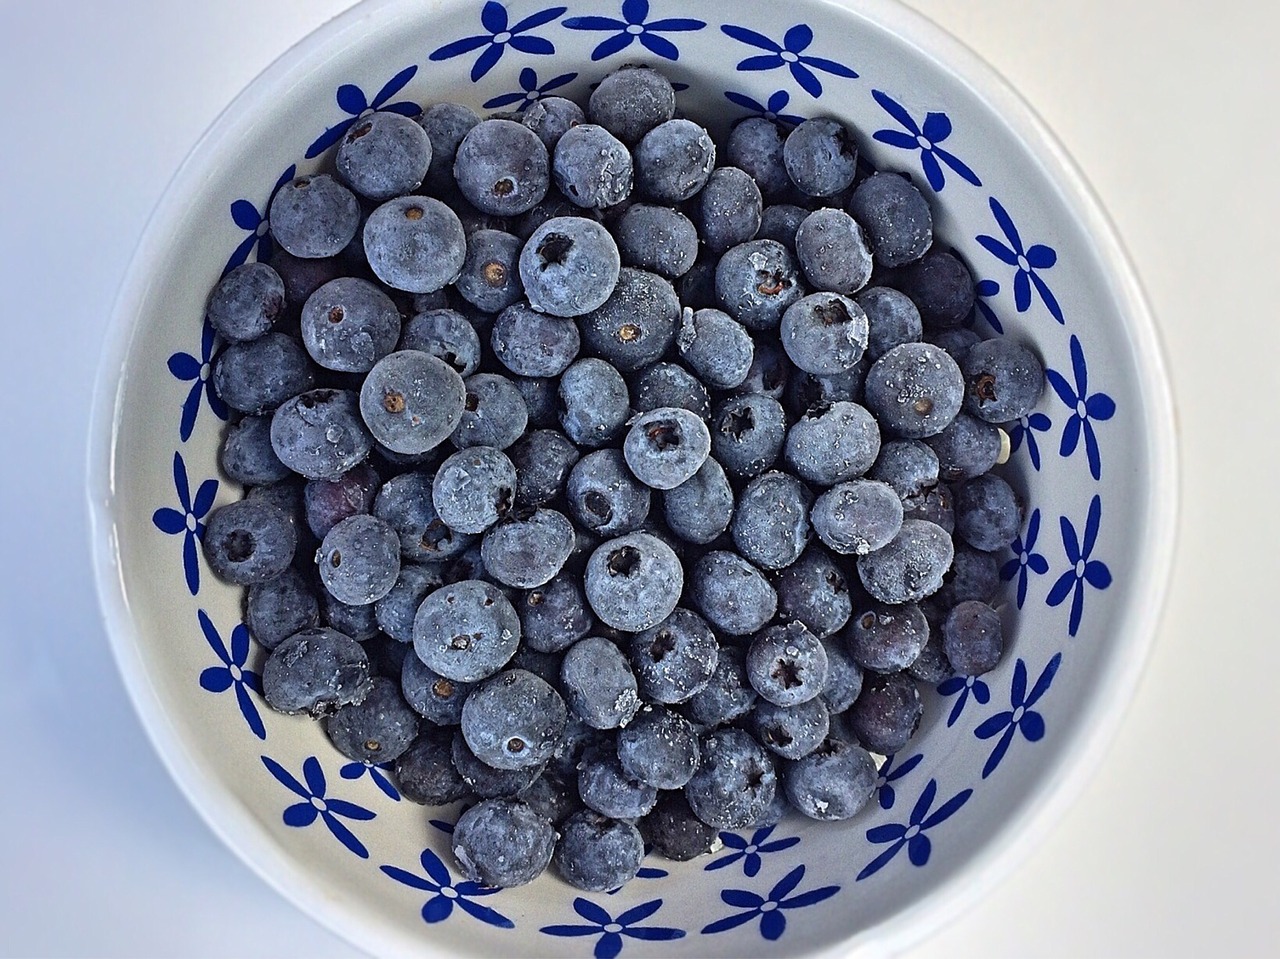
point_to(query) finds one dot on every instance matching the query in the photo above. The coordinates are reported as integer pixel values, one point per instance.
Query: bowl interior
(1082, 581)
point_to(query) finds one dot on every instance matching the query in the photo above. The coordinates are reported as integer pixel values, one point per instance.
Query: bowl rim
(1066, 775)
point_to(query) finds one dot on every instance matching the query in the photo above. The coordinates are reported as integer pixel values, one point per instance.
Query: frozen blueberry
(735, 783)
(731, 593)
(246, 302)
(634, 581)
(931, 665)
(756, 281)
(771, 522)
(658, 239)
(595, 403)
(486, 781)
(528, 550)
(314, 216)
(831, 444)
(592, 167)
(358, 622)
(988, 514)
(974, 574)
(729, 209)
(553, 797)
(446, 335)
(966, 449)
(747, 433)
(302, 277)
(673, 161)
(259, 375)
(674, 831)
(513, 720)
(637, 324)
(717, 347)
(328, 502)
(598, 684)
(666, 384)
(411, 401)
(887, 713)
(280, 607)
(405, 503)
(659, 747)
(941, 287)
(857, 517)
(467, 631)
(936, 505)
(606, 787)
(815, 591)
(833, 252)
(972, 638)
(700, 508)
(697, 288)
(892, 319)
(502, 842)
(887, 639)
(596, 853)
(474, 488)
(502, 167)
(249, 541)
(1003, 380)
(543, 460)
(415, 243)
(914, 390)
(395, 612)
(787, 664)
(895, 216)
(791, 732)
(824, 333)
(844, 676)
(555, 616)
(490, 277)
(359, 560)
(493, 413)
(728, 695)
(569, 266)
(425, 772)
(377, 729)
(446, 124)
(956, 340)
(833, 782)
(384, 155)
(529, 343)
(432, 696)
(911, 566)
(246, 455)
(909, 466)
(665, 447)
(315, 671)
(604, 496)
(820, 157)
(674, 659)
(551, 118)
(542, 399)
(755, 146)
(631, 101)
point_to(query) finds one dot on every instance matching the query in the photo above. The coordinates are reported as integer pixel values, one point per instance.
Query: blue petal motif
(920, 821)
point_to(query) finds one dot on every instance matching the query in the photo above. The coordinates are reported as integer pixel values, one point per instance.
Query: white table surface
(1170, 110)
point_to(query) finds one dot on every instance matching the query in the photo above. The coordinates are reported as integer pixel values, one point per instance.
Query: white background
(1169, 108)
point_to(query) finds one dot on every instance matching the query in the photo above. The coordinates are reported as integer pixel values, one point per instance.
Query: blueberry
(553, 206)
(513, 720)
(824, 333)
(665, 384)
(636, 324)
(631, 101)
(747, 433)
(791, 732)
(377, 729)
(833, 782)
(493, 413)
(596, 853)
(665, 447)
(887, 639)
(808, 393)
(555, 616)
(529, 343)
(820, 157)
(936, 505)
(892, 319)
(415, 243)
(606, 788)
(474, 488)
(314, 216)
(425, 772)
(974, 574)
(595, 403)
(697, 288)
(815, 591)
(502, 167)
(956, 340)
(736, 782)
(832, 251)
(542, 399)
(966, 449)
(598, 684)
(411, 401)
(543, 460)
(604, 496)
(248, 541)
(320, 434)
(914, 390)
(717, 347)
(405, 503)
(909, 466)
(756, 281)
(315, 671)
(358, 622)
(674, 831)
(787, 664)
(553, 797)
(911, 566)
(486, 781)
(972, 638)
(895, 216)
(858, 517)
(931, 665)
(302, 277)
(395, 612)
(771, 374)
(887, 713)
(329, 502)
(674, 659)
(502, 842)
(259, 375)
(1003, 380)
(728, 695)
(755, 145)
(844, 676)
(551, 118)
(280, 607)
(384, 155)
(988, 514)
(246, 455)
(592, 167)
(658, 239)
(781, 221)
(729, 208)
(731, 593)
(771, 522)
(246, 302)
(527, 551)
(569, 266)
(430, 695)
(700, 508)
(467, 631)
(941, 287)
(490, 277)
(660, 748)
(446, 335)
(831, 444)
(673, 161)
(634, 581)
(359, 560)
(446, 124)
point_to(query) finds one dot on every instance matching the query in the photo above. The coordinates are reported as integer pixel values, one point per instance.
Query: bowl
(998, 756)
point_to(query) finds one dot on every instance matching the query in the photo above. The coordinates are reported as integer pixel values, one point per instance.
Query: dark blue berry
(892, 320)
(931, 665)
(787, 664)
(490, 277)
(604, 496)
(665, 447)
(887, 713)
(569, 266)
(315, 671)
(844, 676)
(729, 209)
(474, 488)
(832, 251)
(596, 853)
(246, 455)
(791, 732)
(956, 340)
(446, 124)
(395, 612)
(815, 591)
(553, 797)
(425, 772)
(502, 842)
(697, 288)
(659, 747)
(895, 216)
(824, 333)
(820, 157)
(941, 287)
(832, 783)
(529, 343)
(935, 504)
(909, 466)
(972, 638)
(756, 281)
(527, 551)
(658, 239)
(673, 161)
(513, 720)
(700, 508)
(467, 631)
(551, 118)
(674, 659)
(259, 375)
(280, 607)
(486, 781)
(314, 216)
(592, 167)
(246, 302)
(328, 502)
(359, 560)
(781, 221)
(633, 582)
(858, 517)
(415, 243)
(755, 146)
(831, 444)
(543, 460)
(502, 167)
(249, 541)
(809, 393)
(432, 696)
(771, 522)
(636, 324)
(736, 782)
(358, 622)
(595, 403)
(605, 787)
(555, 616)
(914, 390)
(988, 514)
(974, 574)
(542, 399)
(411, 401)
(377, 729)
(747, 433)
(384, 155)
(728, 695)
(1003, 380)
(599, 686)
(493, 413)
(631, 101)
(320, 434)
(731, 593)
(446, 335)
(911, 566)
(967, 448)
(405, 503)
(665, 384)
(716, 346)
(674, 831)
(887, 639)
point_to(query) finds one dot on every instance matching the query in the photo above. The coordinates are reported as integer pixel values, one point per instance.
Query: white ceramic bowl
(997, 757)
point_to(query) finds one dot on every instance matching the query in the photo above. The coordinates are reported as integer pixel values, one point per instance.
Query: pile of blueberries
(623, 496)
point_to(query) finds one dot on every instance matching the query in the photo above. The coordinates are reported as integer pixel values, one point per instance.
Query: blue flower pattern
(1020, 717)
(611, 930)
(925, 138)
(983, 291)
(187, 521)
(1029, 261)
(315, 804)
(635, 25)
(198, 371)
(352, 100)
(790, 53)
(445, 893)
(376, 772)
(886, 795)
(750, 850)
(962, 687)
(530, 91)
(1024, 432)
(1025, 559)
(770, 910)
(234, 672)
(254, 222)
(911, 834)
(770, 110)
(499, 34)
(1083, 569)
(1086, 409)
